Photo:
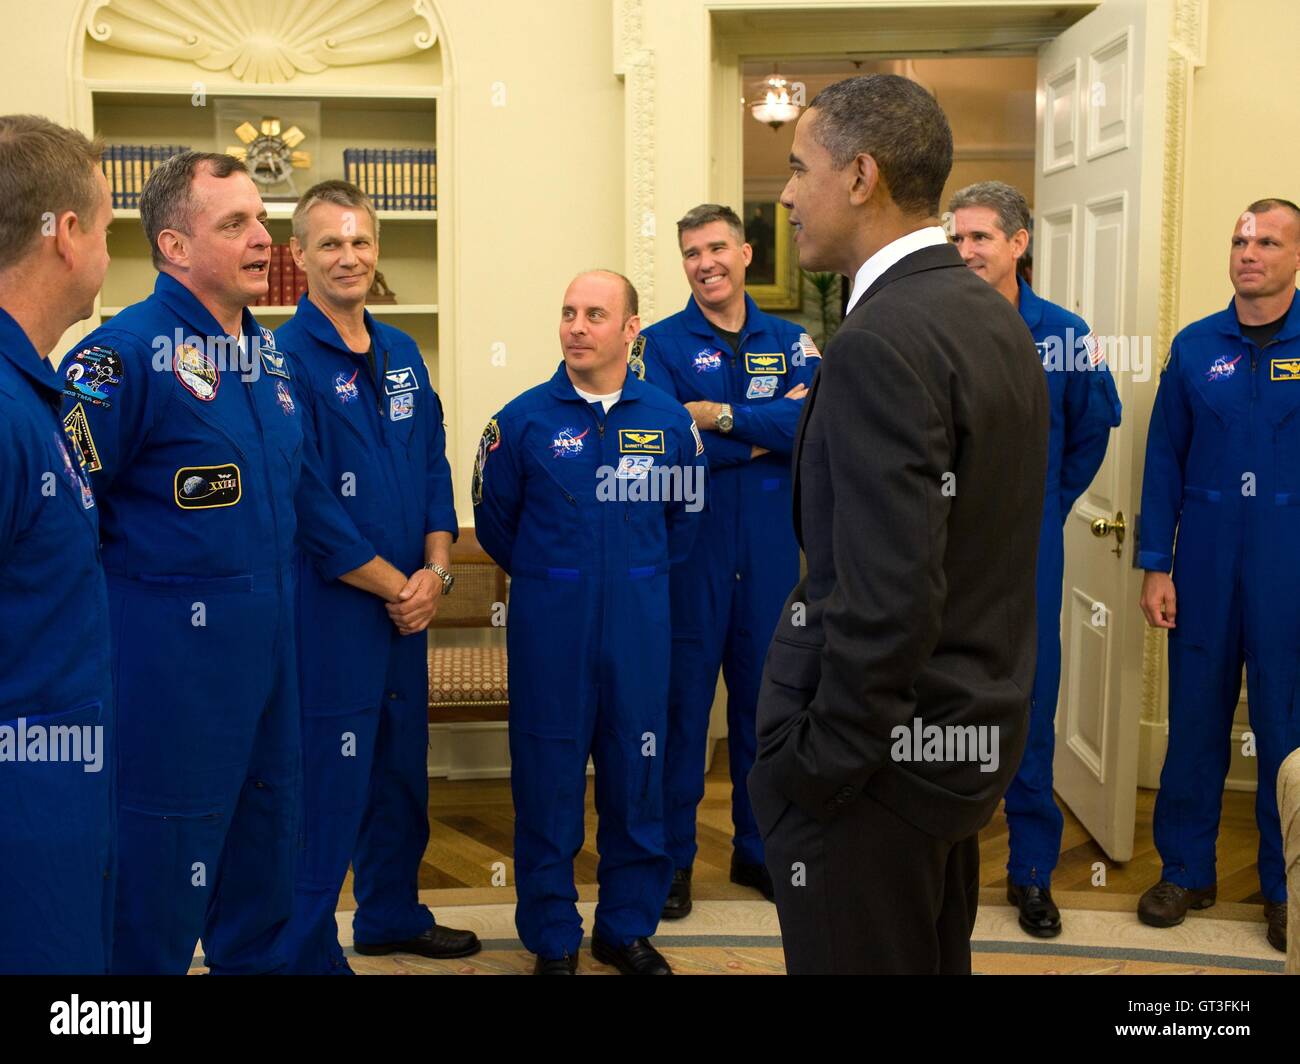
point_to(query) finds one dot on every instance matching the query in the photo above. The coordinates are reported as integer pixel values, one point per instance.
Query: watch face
(448, 584)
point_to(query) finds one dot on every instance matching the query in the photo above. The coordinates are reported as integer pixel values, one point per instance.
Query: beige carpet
(731, 932)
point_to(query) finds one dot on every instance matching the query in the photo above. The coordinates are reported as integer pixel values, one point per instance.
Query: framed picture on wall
(773, 279)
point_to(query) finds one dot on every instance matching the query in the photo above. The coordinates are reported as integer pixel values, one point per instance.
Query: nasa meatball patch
(207, 487)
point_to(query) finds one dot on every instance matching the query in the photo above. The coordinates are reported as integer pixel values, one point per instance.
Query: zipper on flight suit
(247, 387)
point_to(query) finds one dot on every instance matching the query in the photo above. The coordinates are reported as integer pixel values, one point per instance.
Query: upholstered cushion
(463, 680)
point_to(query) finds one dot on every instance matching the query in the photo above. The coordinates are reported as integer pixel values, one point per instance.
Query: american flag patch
(807, 347)
(1096, 353)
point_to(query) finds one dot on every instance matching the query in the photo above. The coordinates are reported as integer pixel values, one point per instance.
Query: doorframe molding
(1185, 54)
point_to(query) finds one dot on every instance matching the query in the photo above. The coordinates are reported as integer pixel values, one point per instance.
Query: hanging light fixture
(775, 105)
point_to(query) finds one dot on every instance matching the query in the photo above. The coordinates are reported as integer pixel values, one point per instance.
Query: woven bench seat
(467, 683)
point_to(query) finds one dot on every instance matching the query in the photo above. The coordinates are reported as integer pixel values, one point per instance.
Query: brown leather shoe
(1166, 904)
(1275, 914)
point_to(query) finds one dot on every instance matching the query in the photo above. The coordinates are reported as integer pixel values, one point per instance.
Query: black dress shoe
(1166, 904)
(1039, 915)
(752, 875)
(636, 958)
(556, 965)
(437, 942)
(679, 896)
(1275, 914)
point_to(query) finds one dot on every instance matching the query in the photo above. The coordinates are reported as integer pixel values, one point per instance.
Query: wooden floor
(472, 824)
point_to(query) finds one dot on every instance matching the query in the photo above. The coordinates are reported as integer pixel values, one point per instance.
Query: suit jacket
(919, 471)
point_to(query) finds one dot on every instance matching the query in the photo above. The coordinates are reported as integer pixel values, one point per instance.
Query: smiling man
(589, 634)
(194, 444)
(742, 374)
(381, 446)
(919, 470)
(1221, 508)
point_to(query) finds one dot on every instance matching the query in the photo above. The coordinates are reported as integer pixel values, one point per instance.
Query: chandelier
(775, 105)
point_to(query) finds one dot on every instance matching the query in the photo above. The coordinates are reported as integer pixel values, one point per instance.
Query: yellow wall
(1243, 144)
(541, 187)
(538, 193)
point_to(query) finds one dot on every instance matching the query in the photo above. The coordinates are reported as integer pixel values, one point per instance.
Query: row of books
(396, 179)
(286, 283)
(128, 166)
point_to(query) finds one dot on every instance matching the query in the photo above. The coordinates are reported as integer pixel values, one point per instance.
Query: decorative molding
(629, 32)
(1186, 53)
(1191, 26)
(266, 43)
(641, 134)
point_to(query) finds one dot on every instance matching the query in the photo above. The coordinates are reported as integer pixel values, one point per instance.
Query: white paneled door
(1097, 203)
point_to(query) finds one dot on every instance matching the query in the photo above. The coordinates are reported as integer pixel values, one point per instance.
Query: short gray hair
(897, 123)
(1004, 200)
(707, 214)
(166, 201)
(44, 167)
(339, 193)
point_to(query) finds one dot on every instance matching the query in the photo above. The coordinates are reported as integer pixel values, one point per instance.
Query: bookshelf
(349, 117)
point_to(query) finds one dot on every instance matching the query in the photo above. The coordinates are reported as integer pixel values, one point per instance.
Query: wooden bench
(467, 647)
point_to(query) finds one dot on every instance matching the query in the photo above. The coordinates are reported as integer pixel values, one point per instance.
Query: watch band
(448, 580)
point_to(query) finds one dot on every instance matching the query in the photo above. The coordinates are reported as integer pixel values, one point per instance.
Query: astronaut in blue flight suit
(56, 704)
(1223, 473)
(374, 423)
(587, 490)
(990, 227)
(742, 375)
(195, 445)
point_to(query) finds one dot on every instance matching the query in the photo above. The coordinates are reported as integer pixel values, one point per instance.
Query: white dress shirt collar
(882, 260)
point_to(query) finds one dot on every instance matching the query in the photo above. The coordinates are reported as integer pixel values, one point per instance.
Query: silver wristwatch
(448, 581)
(724, 421)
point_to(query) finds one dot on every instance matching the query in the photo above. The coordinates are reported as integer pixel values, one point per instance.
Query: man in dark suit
(895, 697)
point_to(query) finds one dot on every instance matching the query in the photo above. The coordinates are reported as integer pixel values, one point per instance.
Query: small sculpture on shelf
(380, 292)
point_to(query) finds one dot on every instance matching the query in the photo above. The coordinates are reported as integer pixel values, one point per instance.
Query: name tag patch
(397, 381)
(207, 487)
(273, 362)
(634, 466)
(761, 388)
(640, 441)
(1284, 369)
(400, 407)
(765, 364)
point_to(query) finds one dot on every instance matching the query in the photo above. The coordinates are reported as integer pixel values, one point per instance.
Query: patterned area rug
(729, 932)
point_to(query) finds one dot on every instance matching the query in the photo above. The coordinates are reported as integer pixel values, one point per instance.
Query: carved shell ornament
(266, 41)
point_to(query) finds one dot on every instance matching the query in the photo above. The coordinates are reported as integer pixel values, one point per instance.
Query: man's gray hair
(339, 193)
(708, 213)
(897, 123)
(166, 201)
(1004, 200)
(44, 168)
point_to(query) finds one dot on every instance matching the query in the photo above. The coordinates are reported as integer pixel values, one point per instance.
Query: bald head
(630, 303)
(597, 322)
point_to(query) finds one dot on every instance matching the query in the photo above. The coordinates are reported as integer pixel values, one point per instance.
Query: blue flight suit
(382, 449)
(202, 486)
(557, 504)
(728, 597)
(1084, 408)
(56, 816)
(1223, 470)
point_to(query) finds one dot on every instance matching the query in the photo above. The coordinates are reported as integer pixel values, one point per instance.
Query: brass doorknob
(1102, 528)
